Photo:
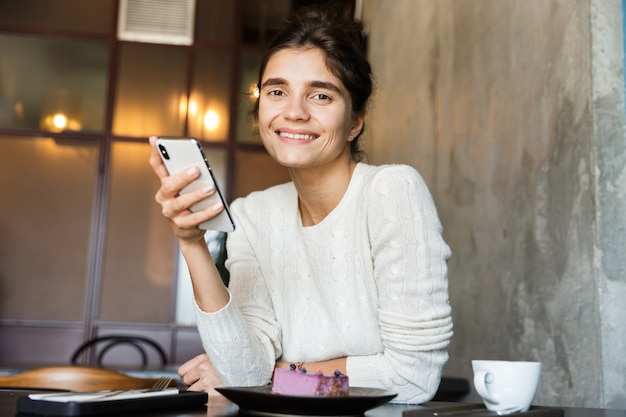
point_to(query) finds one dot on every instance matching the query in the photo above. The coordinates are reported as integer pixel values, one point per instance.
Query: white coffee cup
(506, 386)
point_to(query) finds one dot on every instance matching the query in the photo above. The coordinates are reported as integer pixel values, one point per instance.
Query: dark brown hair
(343, 43)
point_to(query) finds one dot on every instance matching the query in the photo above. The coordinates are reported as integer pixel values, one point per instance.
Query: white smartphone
(181, 153)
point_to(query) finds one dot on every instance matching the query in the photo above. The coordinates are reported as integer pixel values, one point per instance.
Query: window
(84, 249)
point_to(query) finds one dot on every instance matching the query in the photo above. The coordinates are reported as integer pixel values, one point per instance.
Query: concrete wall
(513, 112)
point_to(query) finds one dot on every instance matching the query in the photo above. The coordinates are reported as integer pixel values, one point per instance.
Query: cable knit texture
(369, 283)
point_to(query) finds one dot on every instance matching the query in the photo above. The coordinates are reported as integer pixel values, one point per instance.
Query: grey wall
(513, 112)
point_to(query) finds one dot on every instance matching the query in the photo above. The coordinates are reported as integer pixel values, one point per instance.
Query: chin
(290, 162)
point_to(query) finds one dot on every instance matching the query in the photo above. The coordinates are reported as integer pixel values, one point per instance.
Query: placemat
(185, 399)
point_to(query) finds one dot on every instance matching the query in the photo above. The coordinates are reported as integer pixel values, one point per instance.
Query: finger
(194, 219)
(171, 185)
(189, 378)
(179, 209)
(194, 387)
(192, 363)
(155, 159)
(185, 201)
(197, 373)
(202, 387)
(188, 208)
(213, 393)
(207, 384)
(190, 223)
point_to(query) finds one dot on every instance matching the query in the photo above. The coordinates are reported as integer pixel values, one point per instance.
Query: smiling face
(305, 116)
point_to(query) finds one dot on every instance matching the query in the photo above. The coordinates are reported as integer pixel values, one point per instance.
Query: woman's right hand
(175, 207)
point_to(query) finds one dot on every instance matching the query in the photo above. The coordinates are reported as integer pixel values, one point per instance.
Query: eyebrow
(273, 81)
(315, 84)
(326, 86)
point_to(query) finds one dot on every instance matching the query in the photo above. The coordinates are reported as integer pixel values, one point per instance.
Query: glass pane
(209, 103)
(93, 16)
(214, 21)
(185, 312)
(187, 344)
(262, 19)
(45, 220)
(22, 346)
(256, 170)
(246, 98)
(44, 77)
(126, 358)
(151, 90)
(140, 251)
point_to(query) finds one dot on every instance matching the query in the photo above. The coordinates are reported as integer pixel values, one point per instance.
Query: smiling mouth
(296, 136)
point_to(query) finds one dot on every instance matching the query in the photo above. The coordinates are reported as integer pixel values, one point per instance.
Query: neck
(321, 189)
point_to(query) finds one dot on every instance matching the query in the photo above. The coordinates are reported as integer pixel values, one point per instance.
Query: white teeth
(296, 136)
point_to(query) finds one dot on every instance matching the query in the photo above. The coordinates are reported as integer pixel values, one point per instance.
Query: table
(219, 406)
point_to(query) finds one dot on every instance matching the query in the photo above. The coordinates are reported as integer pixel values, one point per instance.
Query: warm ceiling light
(182, 106)
(211, 120)
(254, 92)
(59, 121)
(193, 107)
(61, 111)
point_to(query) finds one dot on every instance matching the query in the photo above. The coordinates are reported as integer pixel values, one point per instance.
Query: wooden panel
(215, 21)
(96, 16)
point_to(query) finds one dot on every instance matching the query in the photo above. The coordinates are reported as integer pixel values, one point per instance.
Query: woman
(344, 268)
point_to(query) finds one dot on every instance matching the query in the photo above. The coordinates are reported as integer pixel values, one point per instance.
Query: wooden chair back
(75, 378)
(96, 349)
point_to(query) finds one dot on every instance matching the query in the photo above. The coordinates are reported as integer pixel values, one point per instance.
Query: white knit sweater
(369, 282)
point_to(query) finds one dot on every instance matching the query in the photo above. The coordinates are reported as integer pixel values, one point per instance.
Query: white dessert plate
(261, 401)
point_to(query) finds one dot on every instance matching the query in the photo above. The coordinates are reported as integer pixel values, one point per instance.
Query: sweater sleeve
(410, 270)
(243, 339)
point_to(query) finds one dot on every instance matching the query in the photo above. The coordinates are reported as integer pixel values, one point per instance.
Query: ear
(357, 126)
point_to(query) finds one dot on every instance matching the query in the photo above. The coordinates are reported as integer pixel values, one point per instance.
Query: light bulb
(59, 121)
(211, 120)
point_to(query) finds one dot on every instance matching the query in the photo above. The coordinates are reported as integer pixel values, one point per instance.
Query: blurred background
(512, 110)
(84, 250)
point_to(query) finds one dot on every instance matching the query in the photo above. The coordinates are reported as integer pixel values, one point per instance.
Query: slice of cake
(301, 383)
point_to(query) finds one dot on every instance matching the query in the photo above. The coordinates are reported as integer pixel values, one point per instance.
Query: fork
(161, 384)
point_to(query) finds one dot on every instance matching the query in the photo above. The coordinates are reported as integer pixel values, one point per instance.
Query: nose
(296, 109)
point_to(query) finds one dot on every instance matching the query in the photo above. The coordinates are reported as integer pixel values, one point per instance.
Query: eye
(321, 97)
(275, 93)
